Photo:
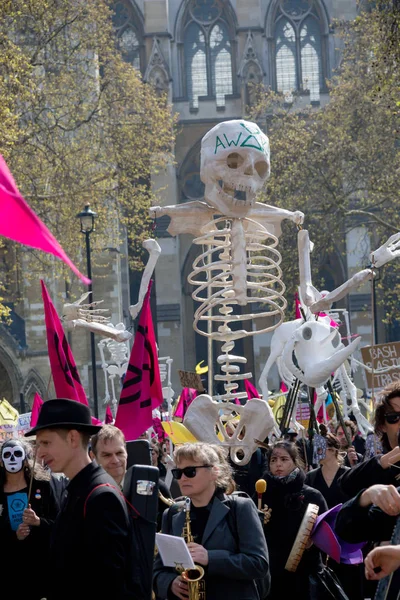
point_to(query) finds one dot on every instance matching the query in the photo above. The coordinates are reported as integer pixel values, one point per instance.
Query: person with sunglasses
(229, 540)
(381, 468)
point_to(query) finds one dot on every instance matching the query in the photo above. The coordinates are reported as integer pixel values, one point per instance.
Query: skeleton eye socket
(7, 454)
(307, 333)
(262, 168)
(234, 160)
(336, 339)
(18, 453)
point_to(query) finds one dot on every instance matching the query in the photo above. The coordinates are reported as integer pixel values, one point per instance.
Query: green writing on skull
(249, 142)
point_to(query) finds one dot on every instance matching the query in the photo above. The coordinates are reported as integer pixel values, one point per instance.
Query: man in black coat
(91, 544)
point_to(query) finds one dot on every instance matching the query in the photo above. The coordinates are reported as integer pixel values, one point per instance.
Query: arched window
(299, 48)
(129, 31)
(207, 51)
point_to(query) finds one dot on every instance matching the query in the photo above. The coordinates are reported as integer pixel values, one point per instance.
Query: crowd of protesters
(64, 516)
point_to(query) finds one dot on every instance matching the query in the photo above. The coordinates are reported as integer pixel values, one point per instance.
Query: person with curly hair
(381, 468)
(229, 541)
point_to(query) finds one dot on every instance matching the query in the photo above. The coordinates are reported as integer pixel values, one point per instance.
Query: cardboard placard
(191, 379)
(381, 356)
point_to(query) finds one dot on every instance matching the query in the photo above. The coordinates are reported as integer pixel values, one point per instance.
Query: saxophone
(193, 577)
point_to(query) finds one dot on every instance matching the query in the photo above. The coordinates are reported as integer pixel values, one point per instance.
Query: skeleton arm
(107, 331)
(154, 252)
(189, 217)
(271, 217)
(354, 282)
(309, 294)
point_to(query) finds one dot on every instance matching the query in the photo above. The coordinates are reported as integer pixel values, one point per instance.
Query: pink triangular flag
(37, 405)
(20, 223)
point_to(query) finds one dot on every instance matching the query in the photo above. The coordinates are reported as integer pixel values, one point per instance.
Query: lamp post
(87, 217)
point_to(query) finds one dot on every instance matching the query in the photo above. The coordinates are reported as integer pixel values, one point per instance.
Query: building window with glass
(299, 51)
(207, 52)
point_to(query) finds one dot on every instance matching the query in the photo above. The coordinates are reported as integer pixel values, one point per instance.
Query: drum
(302, 537)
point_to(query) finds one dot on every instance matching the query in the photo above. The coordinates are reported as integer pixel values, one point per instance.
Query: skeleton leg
(351, 392)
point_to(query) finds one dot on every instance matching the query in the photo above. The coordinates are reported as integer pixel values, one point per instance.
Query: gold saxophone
(193, 577)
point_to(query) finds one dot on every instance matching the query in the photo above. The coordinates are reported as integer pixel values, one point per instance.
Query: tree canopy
(77, 124)
(340, 164)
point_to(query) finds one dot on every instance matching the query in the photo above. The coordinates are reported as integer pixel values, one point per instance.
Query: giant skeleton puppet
(239, 238)
(316, 346)
(239, 256)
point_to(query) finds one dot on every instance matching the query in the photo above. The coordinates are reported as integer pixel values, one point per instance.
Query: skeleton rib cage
(246, 271)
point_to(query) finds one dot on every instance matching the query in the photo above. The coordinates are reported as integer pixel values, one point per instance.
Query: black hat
(64, 414)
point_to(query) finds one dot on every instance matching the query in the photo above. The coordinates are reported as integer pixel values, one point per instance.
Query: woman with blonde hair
(228, 537)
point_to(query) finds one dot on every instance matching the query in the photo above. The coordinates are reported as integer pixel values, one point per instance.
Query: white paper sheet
(173, 551)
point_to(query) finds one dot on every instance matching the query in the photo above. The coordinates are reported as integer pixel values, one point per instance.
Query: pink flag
(109, 416)
(251, 390)
(185, 400)
(21, 224)
(37, 404)
(142, 391)
(297, 303)
(66, 378)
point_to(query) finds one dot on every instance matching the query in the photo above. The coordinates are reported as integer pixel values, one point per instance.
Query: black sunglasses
(392, 418)
(189, 472)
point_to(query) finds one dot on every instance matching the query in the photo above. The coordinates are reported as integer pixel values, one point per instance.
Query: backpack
(263, 584)
(138, 561)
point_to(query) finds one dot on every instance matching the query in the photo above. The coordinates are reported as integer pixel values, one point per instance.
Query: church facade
(205, 54)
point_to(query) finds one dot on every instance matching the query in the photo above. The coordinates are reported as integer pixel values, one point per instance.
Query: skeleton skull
(13, 455)
(318, 351)
(234, 166)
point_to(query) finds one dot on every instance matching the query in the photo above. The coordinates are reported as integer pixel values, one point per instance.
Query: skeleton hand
(387, 252)
(86, 312)
(297, 217)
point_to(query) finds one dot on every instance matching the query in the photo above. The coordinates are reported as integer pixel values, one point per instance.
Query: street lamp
(87, 217)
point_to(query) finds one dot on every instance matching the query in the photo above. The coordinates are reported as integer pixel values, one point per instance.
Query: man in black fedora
(91, 544)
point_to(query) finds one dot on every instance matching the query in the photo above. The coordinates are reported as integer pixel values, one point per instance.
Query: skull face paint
(13, 456)
(234, 166)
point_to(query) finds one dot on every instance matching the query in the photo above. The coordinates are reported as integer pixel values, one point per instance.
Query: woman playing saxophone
(228, 540)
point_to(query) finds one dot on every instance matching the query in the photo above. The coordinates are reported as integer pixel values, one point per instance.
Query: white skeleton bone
(85, 316)
(85, 312)
(256, 422)
(239, 257)
(154, 251)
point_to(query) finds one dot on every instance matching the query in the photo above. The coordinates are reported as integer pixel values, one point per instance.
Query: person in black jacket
(25, 519)
(370, 516)
(288, 496)
(325, 479)
(91, 542)
(228, 538)
(384, 468)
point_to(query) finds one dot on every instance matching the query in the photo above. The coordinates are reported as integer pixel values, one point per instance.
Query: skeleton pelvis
(256, 421)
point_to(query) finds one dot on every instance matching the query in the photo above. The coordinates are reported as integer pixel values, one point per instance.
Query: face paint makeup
(13, 456)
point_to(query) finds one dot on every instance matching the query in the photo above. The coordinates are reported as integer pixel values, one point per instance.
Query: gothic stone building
(205, 53)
